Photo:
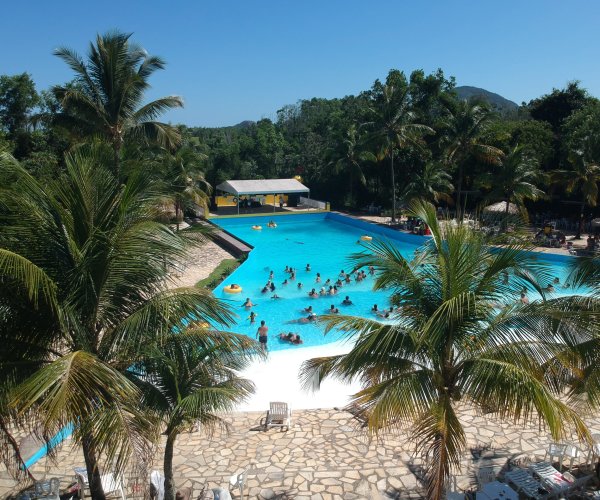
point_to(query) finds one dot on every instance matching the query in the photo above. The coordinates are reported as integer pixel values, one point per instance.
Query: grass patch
(221, 272)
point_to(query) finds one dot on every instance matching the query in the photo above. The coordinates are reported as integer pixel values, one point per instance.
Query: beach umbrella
(500, 207)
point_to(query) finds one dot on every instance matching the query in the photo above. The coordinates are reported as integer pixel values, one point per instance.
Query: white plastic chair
(555, 450)
(110, 484)
(47, 490)
(485, 475)
(157, 485)
(238, 480)
(571, 452)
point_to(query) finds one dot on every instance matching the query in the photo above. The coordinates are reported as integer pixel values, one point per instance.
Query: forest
(406, 136)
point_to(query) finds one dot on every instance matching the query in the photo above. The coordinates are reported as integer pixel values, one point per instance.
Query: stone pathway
(323, 456)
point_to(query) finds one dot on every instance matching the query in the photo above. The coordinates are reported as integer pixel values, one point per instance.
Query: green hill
(500, 103)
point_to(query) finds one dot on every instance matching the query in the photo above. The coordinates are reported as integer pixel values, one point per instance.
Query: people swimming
(291, 337)
(308, 309)
(302, 321)
(248, 303)
(272, 287)
(333, 310)
(371, 270)
(265, 289)
(252, 317)
(556, 281)
(271, 223)
(307, 267)
(549, 288)
(375, 309)
(524, 299)
(318, 278)
(275, 296)
(384, 314)
(313, 294)
(299, 286)
(347, 301)
(285, 282)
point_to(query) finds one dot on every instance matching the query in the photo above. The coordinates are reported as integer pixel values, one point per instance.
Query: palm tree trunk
(168, 467)
(177, 215)
(506, 215)
(459, 191)
(117, 160)
(580, 225)
(91, 464)
(393, 186)
(438, 471)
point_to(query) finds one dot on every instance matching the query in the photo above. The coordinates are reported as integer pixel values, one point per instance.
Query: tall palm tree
(583, 179)
(433, 184)
(394, 125)
(450, 344)
(463, 128)
(106, 97)
(349, 158)
(191, 377)
(514, 179)
(86, 257)
(184, 182)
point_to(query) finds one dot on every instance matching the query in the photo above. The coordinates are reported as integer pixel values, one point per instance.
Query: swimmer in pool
(333, 310)
(318, 280)
(313, 293)
(308, 309)
(299, 286)
(252, 317)
(248, 304)
(347, 301)
(308, 267)
(375, 309)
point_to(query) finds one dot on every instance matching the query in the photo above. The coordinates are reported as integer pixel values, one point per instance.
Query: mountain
(497, 101)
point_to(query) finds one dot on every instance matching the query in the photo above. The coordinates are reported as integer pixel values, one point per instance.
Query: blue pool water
(324, 241)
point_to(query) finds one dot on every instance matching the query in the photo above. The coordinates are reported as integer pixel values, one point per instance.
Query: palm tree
(85, 256)
(513, 180)
(393, 123)
(432, 184)
(184, 182)
(189, 378)
(106, 97)
(349, 158)
(463, 128)
(449, 345)
(582, 178)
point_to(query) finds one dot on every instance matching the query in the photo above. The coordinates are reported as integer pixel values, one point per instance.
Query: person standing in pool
(252, 317)
(308, 267)
(262, 334)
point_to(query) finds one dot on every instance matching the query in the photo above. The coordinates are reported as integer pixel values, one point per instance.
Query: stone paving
(325, 455)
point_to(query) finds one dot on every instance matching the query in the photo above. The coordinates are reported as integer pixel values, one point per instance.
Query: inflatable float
(364, 237)
(233, 288)
(257, 228)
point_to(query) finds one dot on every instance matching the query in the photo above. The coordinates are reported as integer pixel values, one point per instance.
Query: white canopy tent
(262, 187)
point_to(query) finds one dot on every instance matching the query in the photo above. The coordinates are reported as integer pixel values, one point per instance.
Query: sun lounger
(526, 484)
(279, 415)
(550, 477)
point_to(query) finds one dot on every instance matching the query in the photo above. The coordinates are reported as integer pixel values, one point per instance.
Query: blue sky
(243, 60)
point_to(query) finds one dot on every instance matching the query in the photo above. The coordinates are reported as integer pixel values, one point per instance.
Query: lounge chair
(279, 415)
(550, 477)
(110, 485)
(525, 484)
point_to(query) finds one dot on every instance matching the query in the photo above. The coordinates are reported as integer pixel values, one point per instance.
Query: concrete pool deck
(325, 455)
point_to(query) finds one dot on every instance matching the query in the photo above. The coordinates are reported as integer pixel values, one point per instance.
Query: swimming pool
(323, 240)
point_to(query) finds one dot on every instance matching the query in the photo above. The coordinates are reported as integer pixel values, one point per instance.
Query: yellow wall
(269, 199)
